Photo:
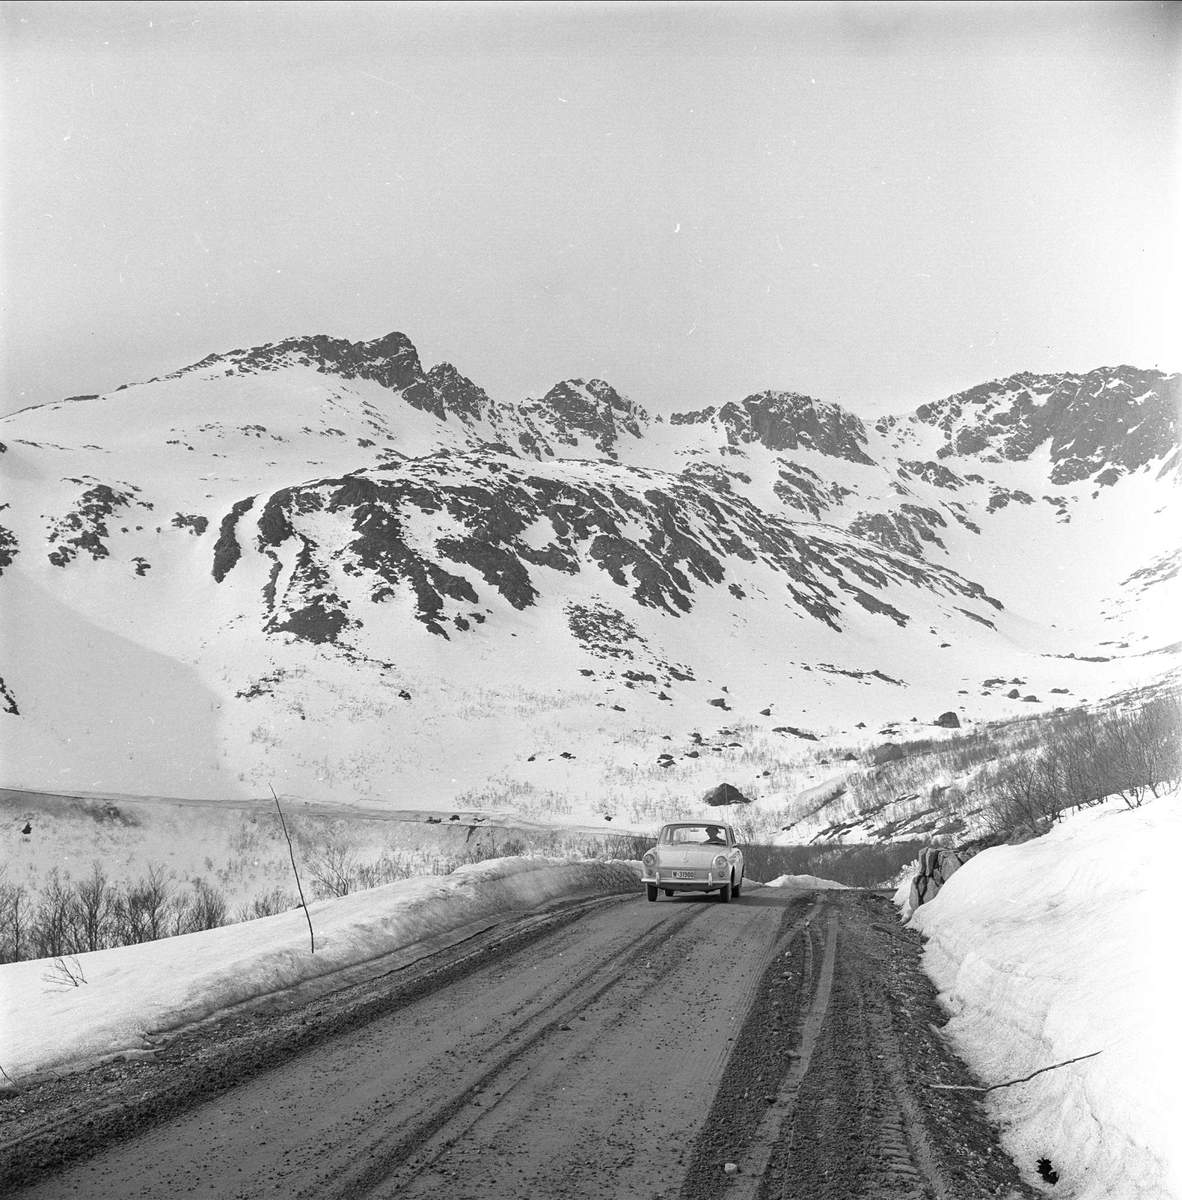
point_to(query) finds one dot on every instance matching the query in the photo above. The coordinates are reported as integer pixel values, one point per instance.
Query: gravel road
(604, 1050)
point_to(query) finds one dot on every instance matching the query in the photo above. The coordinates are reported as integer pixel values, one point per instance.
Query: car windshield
(693, 835)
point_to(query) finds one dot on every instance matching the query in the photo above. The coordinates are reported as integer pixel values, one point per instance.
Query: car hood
(693, 856)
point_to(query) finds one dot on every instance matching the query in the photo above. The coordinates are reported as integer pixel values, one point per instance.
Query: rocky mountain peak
(391, 360)
(788, 421)
(594, 409)
(1105, 423)
(444, 390)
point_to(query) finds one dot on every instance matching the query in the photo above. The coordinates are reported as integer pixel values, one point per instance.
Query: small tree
(14, 919)
(142, 915)
(334, 870)
(208, 910)
(51, 933)
(95, 902)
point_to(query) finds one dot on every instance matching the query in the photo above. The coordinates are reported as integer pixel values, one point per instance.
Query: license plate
(685, 874)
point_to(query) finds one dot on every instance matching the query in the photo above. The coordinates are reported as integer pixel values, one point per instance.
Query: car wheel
(652, 891)
(737, 888)
(724, 892)
(668, 891)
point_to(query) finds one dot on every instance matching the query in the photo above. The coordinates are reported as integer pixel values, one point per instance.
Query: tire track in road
(759, 1151)
(625, 1050)
(493, 1147)
(193, 1064)
(397, 1163)
(848, 1136)
(605, 1034)
(846, 1113)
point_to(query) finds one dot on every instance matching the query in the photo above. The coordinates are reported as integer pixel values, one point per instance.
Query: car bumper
(711, 883)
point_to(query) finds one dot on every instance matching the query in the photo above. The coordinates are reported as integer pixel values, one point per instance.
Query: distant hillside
(318, 565)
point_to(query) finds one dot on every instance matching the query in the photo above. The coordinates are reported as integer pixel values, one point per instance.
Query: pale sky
(875, 204)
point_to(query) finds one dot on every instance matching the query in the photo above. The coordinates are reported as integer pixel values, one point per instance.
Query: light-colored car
(694, 856)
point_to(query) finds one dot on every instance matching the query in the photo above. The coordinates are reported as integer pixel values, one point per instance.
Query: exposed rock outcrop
(724, 794)
(1104, 424)
(788, 421)
(936, 867)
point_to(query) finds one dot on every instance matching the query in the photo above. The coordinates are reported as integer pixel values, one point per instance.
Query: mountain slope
(318, 564)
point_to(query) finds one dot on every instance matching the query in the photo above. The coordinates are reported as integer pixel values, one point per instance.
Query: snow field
(1058, 948)
(134, 992)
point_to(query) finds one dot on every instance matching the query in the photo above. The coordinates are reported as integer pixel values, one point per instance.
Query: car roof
(695, 824)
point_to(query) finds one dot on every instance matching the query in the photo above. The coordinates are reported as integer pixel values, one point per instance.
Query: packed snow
(126, 996)
(1062, 947)
(809, 883)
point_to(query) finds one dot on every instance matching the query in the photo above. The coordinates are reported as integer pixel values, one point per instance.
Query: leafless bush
(1021, 795)
(208, 909)
(51, 931)
(179, 915)
(94, 908)
(626, 845)
(142, 914)
(1142, 748)
(275, 901)
(64, 973)
(14, 920)
(69, 918)
(1132, 752)
(334, 870)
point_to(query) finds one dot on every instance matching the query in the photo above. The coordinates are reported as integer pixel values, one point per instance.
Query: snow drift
(1056, 949)
(134, 992)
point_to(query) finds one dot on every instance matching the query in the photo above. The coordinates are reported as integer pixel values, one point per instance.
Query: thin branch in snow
(970, 1087)
(291, 851)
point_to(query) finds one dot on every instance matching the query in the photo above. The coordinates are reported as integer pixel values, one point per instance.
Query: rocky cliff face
(1107, 423)
(656, 539)
(572, 411)
(786, 421)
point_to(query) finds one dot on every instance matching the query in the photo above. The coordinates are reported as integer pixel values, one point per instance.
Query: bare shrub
(94, 899)
(1142, 748)
(1086, 755)
(142, 915)
(275, 901)
(334, 870)
(1023, 795)
(179, 915)
(14, 920)
(385, 869)
(628, 846)
(64, 973)
(51, 931)
(208, 908)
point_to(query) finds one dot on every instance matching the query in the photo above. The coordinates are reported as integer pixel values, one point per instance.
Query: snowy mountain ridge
(318, 527)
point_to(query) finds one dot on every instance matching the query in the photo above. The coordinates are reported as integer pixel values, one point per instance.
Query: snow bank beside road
(133, 991)
(1058, 948)
(809, 882)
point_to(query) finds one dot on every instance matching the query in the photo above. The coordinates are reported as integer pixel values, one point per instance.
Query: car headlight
(649, 860)
(720, 863)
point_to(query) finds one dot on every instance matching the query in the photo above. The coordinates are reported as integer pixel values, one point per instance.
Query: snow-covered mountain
(317, 564)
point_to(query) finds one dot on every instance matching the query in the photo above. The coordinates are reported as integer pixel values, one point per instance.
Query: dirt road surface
(782, 1045)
